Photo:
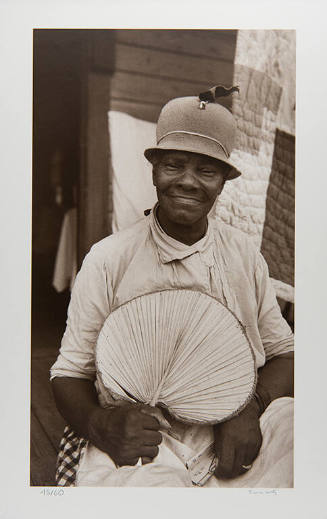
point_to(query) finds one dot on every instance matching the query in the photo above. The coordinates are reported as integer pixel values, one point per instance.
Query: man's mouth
(186, 199)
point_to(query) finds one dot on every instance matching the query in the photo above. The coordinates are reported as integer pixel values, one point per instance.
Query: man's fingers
(151, 438)
(150, 423)
(156, 413)
(129, 462)
(251, 452)
(226, 457)
(241, 460)
(244, 456)
(149, 452)
(146, 460)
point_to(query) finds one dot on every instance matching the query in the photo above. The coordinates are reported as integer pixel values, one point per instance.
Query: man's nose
(188, 178)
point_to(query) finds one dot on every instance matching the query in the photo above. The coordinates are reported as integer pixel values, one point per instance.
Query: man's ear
(221, 187)
(155, 160)
(225, 177)
(154, 175)
(226, 172)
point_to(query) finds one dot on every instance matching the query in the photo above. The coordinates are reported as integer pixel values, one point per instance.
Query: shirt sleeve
(276, 335)
(88, 309)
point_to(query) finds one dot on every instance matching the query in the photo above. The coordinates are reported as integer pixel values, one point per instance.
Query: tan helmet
(191, 124)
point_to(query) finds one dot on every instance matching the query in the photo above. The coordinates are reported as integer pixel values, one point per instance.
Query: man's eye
(208, 171)
(171, 165)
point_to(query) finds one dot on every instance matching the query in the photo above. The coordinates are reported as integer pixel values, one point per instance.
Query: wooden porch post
(95, 204)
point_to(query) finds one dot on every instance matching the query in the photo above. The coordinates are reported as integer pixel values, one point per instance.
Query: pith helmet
(199, 126)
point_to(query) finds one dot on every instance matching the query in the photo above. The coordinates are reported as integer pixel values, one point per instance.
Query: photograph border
(17, 23)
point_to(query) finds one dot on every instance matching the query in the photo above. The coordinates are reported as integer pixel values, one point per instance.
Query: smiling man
(187, 187)
(177, 246)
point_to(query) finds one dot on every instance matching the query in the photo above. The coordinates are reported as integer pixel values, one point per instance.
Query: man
(178, 246)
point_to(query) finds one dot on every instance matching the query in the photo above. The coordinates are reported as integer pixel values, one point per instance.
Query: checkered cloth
(70, 451)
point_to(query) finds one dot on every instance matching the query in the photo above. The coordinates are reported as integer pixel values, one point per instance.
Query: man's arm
(275, 379)
(238, 440)
(125, 432)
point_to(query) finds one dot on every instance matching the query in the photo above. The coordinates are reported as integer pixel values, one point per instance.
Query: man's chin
(185, 217)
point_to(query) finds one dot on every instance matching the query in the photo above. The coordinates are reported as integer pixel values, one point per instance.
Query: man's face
(187, 185)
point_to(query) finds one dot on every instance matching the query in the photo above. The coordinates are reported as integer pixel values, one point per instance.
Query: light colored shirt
(142, 259)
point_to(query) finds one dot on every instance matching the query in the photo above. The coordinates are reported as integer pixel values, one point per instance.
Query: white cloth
(273, 468)
(66, 259)
(132, 188)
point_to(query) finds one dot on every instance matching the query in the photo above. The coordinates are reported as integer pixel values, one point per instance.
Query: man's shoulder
(120, 242)
(235, 242)
(231, 233)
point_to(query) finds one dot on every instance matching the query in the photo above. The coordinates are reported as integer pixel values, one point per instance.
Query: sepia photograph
(163, 258)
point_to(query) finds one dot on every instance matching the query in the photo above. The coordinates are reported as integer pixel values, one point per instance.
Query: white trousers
(273, 468)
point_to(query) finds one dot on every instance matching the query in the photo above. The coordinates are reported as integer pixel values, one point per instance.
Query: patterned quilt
(261, 201)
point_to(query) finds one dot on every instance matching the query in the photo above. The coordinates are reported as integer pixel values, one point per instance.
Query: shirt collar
(170, 249)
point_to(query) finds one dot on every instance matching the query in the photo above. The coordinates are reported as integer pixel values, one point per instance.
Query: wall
(154, 66)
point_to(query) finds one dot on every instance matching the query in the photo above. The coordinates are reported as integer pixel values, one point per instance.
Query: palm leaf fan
(179, 349)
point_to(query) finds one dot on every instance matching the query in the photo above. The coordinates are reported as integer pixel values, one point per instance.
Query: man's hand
(127, 432)
(237, 442)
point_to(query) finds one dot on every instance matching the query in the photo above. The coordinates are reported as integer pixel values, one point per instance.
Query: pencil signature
(264, 492)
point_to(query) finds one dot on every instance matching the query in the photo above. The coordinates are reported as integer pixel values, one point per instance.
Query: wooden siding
(218, 44)
(154, 90)
(153, 66)
(162, 64)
